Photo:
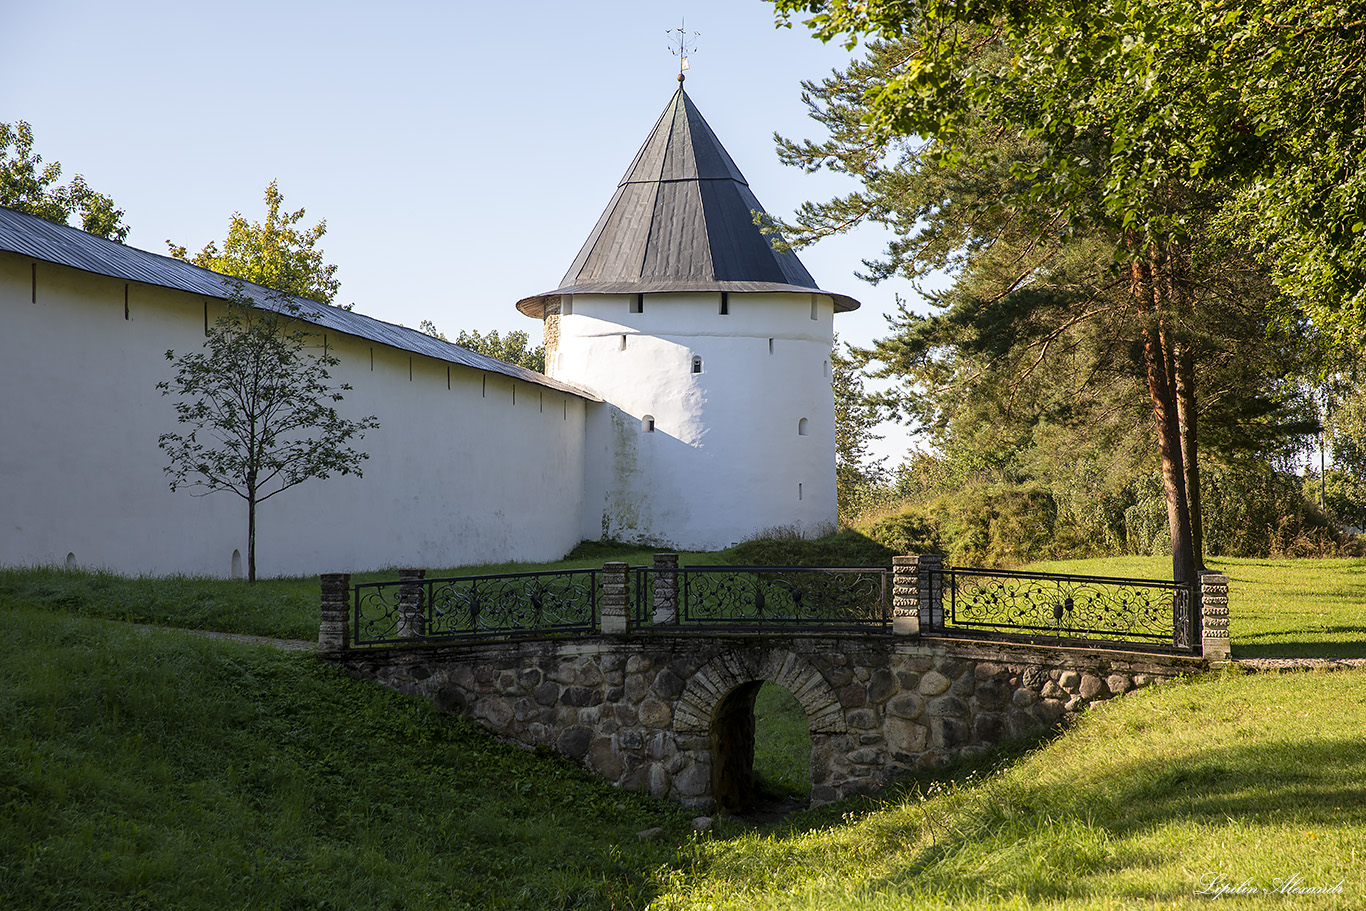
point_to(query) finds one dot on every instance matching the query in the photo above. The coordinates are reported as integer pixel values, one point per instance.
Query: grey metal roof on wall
(28, 235)
(681, 220)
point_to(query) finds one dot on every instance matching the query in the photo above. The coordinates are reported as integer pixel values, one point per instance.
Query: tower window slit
(638, 304)
(725, 303)
(696, 364)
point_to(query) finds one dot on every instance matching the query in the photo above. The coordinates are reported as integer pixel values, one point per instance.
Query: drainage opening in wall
(761, 751)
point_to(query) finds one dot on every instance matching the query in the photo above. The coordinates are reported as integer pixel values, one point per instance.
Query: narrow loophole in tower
(761, 751)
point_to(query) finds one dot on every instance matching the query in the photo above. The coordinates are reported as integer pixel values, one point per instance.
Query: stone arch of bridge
(718, 701)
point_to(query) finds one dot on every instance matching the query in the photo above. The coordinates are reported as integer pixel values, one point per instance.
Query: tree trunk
(1173, 304)
(251, 538)
(251, 526)
(1157, 361)
(1186, 418)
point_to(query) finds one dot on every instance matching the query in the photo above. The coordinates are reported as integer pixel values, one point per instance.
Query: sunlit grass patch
(1230, 778)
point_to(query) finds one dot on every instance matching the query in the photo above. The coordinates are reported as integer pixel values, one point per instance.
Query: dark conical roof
(681, 220)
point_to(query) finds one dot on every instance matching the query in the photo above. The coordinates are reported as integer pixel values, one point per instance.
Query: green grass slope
(158, 770)
(1155, 800)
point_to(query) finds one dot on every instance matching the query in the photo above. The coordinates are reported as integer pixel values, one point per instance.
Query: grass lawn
(285, 608)
(155, 770)
(1251, 780)
(1277, 608)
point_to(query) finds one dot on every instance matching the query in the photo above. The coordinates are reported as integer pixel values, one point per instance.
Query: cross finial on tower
(685, 45)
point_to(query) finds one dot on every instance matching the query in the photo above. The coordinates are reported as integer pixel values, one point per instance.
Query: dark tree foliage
(30, 186)
(1088, 283)
(855, 421)
(511, 348)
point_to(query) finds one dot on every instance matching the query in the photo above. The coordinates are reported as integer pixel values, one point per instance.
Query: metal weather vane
(685, 45)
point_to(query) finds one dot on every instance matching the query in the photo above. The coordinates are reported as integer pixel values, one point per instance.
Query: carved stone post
(614, 597)
(1214, 643)
(906, 596)
(412, 616)
(666, 589)
(334, 631)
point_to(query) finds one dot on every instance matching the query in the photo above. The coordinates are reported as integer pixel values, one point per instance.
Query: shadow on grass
(1073, 842)
(1341, 642)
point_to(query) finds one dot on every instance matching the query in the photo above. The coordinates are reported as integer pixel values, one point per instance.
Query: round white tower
(710, 350)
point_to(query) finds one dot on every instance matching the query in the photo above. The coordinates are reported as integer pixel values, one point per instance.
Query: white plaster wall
(488, 469)
(725, 460)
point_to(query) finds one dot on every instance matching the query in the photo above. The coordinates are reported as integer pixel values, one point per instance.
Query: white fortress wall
(487, 469)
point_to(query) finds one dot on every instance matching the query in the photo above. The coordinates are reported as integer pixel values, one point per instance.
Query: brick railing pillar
(1214, 643)
(412, 616)
(906, 596)
(334, 631)
(666, 589)
(614, 597)
(931, 585)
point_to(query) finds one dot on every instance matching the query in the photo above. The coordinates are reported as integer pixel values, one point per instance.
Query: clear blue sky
(460, 152)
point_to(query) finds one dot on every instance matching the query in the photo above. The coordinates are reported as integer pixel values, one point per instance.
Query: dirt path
(289, 645)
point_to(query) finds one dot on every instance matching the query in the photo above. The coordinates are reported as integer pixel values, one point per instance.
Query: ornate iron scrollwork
(1066, 607)
(776, 596)
(434, 609)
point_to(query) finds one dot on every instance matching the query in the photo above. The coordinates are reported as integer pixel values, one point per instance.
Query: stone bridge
(670, 710)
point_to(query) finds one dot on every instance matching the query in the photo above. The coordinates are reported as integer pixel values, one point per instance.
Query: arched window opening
(236, 564)
(803, 426)
(70, 561)
(814, 312)
(647, 424)
(696, 364)
(761, 748)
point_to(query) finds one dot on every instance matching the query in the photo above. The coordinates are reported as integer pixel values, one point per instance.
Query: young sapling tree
(256, 407)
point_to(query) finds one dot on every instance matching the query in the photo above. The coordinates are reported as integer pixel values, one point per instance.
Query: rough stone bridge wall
(666, 712)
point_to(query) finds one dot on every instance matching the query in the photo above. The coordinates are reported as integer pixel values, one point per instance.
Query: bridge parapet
(655, 704)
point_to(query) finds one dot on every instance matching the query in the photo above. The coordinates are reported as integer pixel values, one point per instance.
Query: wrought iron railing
(952, 601)
(1012, 605)
(542, 603)
(784, 596)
